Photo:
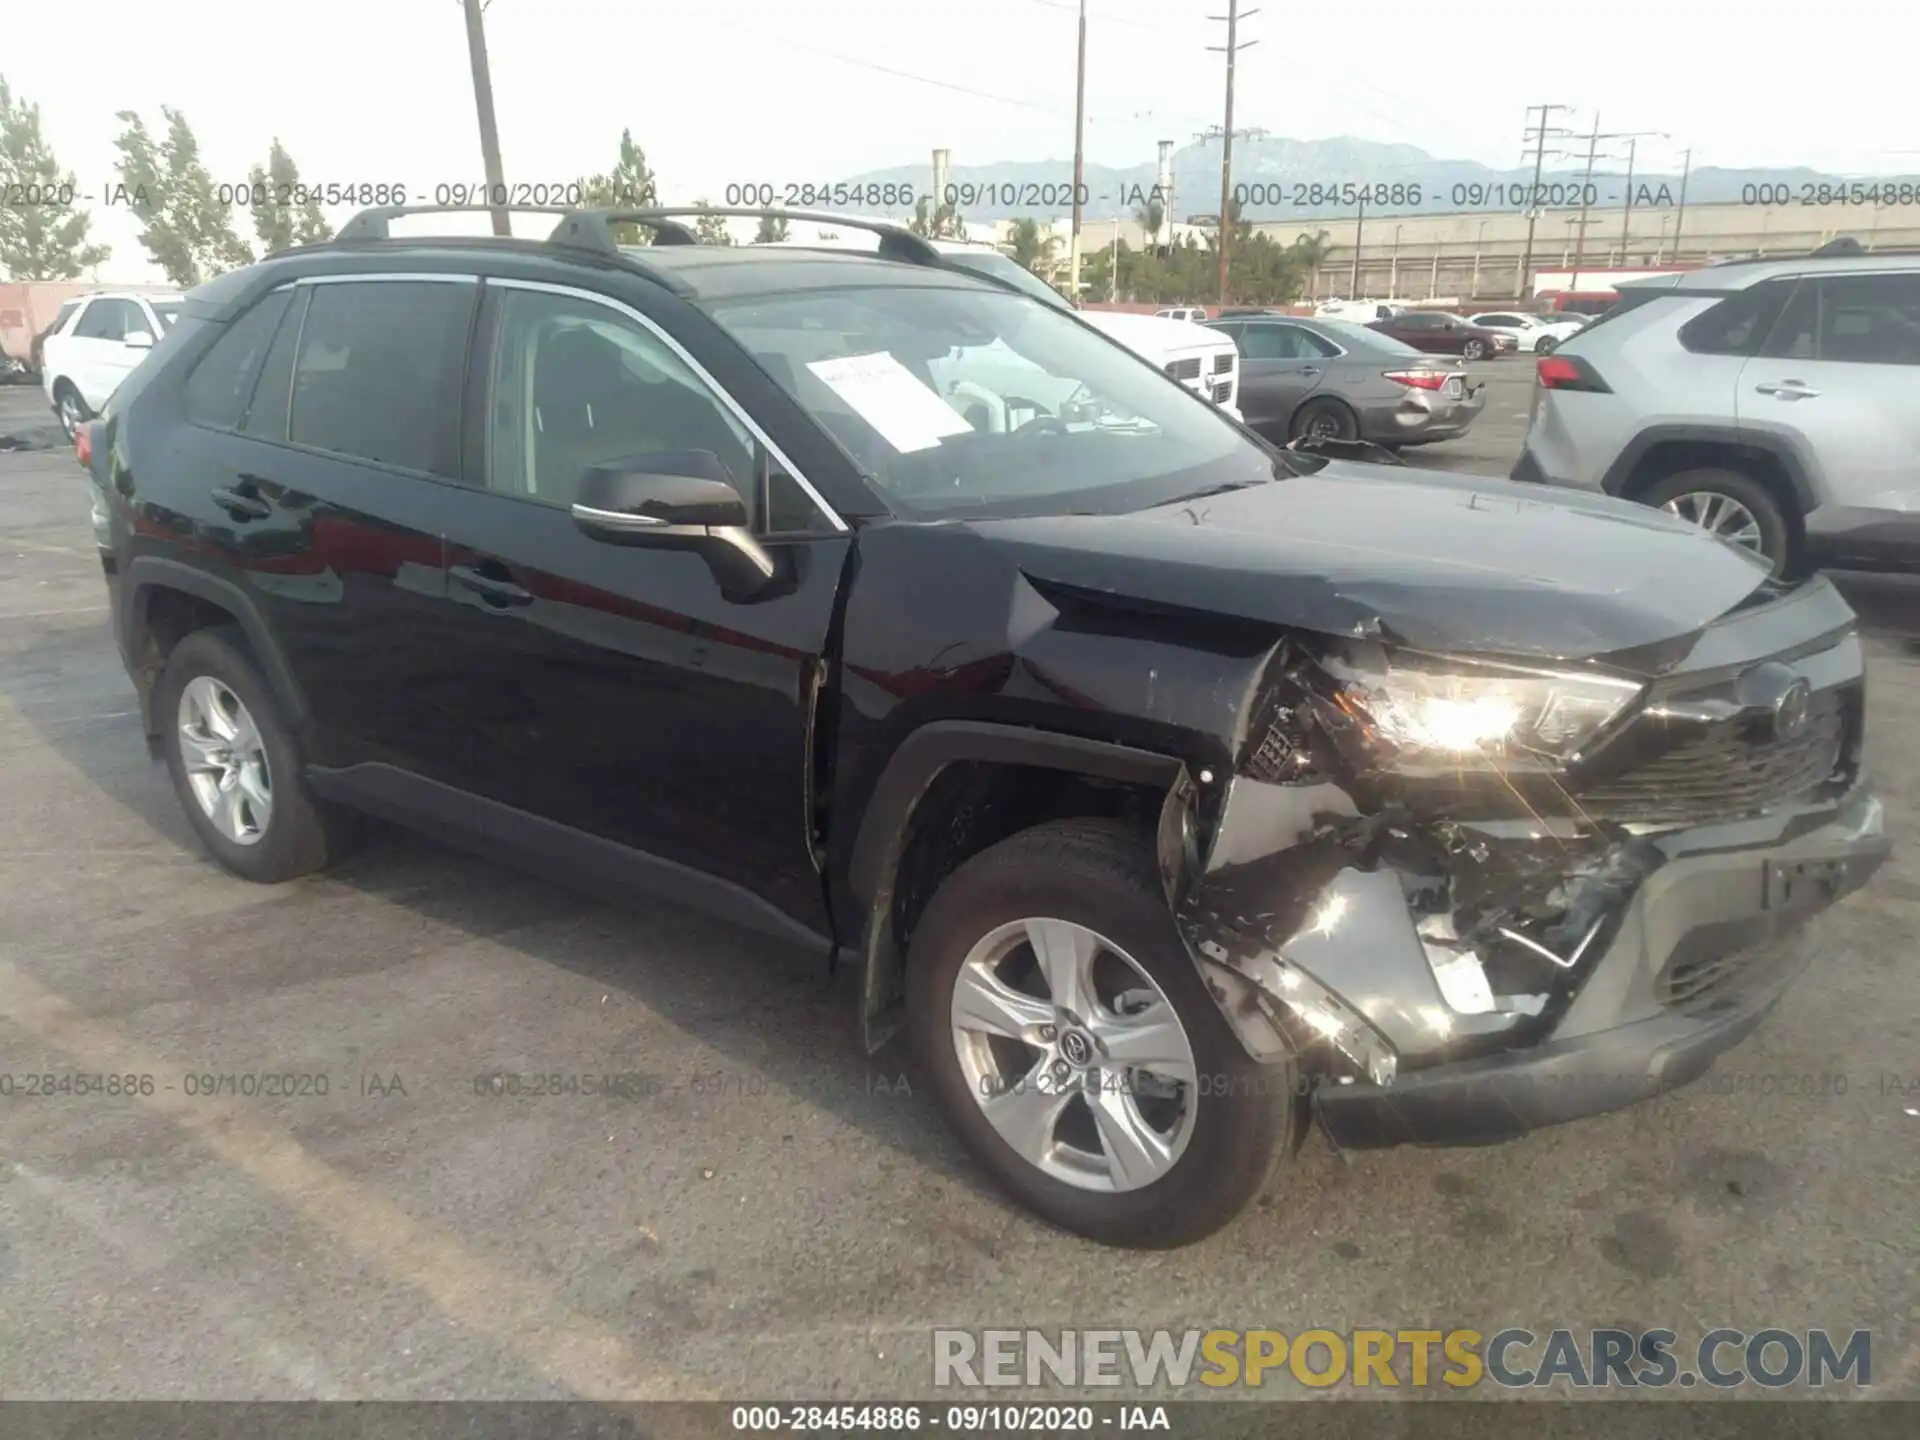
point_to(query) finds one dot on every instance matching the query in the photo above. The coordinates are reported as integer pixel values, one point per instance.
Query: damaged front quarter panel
(1332, 923)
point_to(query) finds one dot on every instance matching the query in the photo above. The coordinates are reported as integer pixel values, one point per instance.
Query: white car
(1361, 312)
(97, 347)
(1540, 334)
(1183, 312)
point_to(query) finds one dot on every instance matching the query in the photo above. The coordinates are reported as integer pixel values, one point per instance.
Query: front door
(615, 693)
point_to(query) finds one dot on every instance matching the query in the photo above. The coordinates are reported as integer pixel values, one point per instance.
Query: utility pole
(483, 103)
(1626, 210)
(1232, 47)
(1539, 142)
(1359, 224)
(1686, 169)
(1586, 185)
(1079, 155)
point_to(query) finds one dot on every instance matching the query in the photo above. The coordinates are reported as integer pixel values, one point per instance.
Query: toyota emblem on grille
(1790, 710)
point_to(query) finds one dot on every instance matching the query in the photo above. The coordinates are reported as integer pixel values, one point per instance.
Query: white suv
(97, 347)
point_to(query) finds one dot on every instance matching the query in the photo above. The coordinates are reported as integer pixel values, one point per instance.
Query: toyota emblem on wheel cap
(1076, 1047)
(1790, 710)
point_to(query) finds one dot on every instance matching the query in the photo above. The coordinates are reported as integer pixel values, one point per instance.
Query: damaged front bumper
(1670, 948)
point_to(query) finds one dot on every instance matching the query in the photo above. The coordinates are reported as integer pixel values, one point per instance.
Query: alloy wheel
(1074, 1054)
(1722, 514)
(70, 417)
(225, 760)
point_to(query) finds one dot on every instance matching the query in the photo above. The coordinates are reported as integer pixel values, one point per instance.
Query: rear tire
(1474, 350)
(1732, 504)
(1092, 878)
(235, 766)
(1324, 420)
(1545, 345)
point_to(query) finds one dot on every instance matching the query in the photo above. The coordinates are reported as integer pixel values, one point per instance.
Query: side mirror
(684, 500)
(138, 340)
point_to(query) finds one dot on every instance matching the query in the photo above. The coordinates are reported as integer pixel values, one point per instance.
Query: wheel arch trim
(909, 773)
(146, 574)
(1791, 457)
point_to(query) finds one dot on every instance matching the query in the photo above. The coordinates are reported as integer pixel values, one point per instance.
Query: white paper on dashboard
(889, 397)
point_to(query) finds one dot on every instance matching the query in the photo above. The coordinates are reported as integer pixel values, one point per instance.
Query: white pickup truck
(1205, 361)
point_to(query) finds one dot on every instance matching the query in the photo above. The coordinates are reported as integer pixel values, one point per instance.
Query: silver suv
(1776, 402)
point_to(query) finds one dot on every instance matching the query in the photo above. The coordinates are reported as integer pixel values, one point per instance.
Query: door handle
(489, 588)
(241, 503)
(1308, 370)
(1788, 390)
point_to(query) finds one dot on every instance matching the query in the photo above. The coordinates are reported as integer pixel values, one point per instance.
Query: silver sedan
(1334, 380)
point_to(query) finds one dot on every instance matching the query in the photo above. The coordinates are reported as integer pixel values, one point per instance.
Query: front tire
(1732, 505)
(235, 766)
(1072, 1044)
(1474, 350)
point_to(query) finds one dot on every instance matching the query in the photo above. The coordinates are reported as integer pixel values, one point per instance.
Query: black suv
(1181, 791)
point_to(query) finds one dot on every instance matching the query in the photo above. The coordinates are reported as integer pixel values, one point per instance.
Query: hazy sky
(753, 90)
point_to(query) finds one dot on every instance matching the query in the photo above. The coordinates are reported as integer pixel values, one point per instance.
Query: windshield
(977, 402)
(1359, 337)
(996, 266)
(166, 312)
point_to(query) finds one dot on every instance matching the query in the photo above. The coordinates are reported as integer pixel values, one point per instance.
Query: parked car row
(1171, 790)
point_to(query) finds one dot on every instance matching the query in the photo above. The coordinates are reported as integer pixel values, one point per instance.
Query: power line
(917, 79)
(1538, 143)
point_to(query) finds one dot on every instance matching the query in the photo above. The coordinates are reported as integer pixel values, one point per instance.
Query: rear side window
(222, 383)
(106, 320)
(1736, 326)
(378, 374)
(1857, 319)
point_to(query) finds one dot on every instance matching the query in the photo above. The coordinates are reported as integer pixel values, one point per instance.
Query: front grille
(1693, 982)
(1724, 774)
(1222, 391)
(1188, 369)
(1222, 363)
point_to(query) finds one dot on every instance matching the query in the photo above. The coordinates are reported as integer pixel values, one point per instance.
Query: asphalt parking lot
(772, 1214)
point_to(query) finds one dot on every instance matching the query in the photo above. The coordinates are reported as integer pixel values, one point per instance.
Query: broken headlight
(1434, 713)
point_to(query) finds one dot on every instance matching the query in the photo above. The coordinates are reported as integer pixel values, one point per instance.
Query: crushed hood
(1422, 558)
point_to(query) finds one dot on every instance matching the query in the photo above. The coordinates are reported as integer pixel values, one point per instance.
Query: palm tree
(1032, 247)
(1151, 216)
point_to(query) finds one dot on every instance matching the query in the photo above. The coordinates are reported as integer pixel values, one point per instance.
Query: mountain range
(1277, 179)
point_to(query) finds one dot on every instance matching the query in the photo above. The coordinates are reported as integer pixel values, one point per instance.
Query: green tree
(1151, 217)
(1033, 247)
(47, 239)
(277, 219)
(630, 185)
(184, 227)
(773, 229)
(941, 224)
(712, 229)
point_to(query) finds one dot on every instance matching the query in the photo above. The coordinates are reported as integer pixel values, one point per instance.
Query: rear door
(328, 493)
(1280, 366)
(615, 694)
(1839, 373)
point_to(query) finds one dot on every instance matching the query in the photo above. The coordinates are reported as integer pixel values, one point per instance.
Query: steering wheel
(1041, 425)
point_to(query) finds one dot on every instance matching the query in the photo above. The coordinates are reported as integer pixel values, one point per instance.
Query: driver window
(575, 384)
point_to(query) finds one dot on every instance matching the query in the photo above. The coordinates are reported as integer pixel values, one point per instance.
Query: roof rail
(373, 224)
(897, 242)
(592, 228)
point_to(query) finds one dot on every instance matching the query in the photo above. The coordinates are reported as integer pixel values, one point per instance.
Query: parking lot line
(589, 1357)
